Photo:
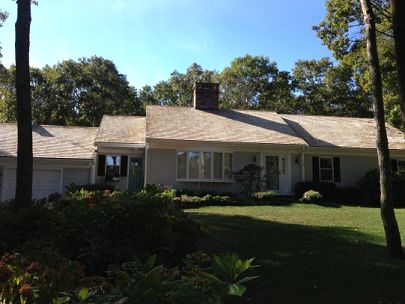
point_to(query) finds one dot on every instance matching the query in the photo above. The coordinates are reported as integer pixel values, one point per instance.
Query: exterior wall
(69, 170)
(162, 168)
(352, 168)
(122, 182)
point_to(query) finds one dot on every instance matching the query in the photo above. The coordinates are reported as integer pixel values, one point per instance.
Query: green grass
(308, 253)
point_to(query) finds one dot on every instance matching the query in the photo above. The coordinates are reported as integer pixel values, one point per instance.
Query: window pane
(228, 165)
(401, 166)
(181, 164)
(326, 175)
(113, 163)
(206, 165)
(326, 163)
(113, 160)
(217, 165)
(193, 164)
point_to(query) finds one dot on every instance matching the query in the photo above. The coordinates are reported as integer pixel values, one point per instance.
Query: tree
(398, 26)
(323, 88)
(386, 199)
(253, 82)
(146, 97)
(178, 89)
(341, 31)
(73, 93)
(23, 192)
(3, 17)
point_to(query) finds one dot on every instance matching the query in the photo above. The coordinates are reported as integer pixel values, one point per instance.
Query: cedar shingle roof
(228, 126)
(51, 141)
(121, 129)
(348, 132)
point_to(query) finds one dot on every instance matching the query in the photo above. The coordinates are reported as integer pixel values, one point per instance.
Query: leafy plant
(250, 178)
(312, 197)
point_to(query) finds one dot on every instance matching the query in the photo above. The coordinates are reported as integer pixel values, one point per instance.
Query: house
(199, 148)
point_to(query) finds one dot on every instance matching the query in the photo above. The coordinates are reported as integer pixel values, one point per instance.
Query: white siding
(44, 182)
(352, 168)
(75, 176)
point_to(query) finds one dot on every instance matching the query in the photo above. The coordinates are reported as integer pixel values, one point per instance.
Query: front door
(135, 176)
(272, 172)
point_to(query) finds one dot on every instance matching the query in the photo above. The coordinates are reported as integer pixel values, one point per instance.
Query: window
(228, 161)
(181, 164)
(113, 164)
(193, 164)
(326, 169)
(204, 166)
(401, 166)
(217, 165)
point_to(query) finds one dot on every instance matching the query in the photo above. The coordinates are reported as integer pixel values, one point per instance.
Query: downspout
(146, 177)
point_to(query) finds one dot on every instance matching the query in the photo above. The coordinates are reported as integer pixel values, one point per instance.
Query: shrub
(36, 277)
(18, 226)
(328, 190)
(250, 178)
(187, 201)
(110, 229)
(370, 188)
(312, 197)
(264, 196)
(91, 187)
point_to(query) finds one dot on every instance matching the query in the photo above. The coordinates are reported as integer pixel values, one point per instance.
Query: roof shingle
(51, 141)
(121, 129)
(345, 132)
(227, 126)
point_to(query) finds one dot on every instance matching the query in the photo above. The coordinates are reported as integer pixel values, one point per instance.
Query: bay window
(204, 166)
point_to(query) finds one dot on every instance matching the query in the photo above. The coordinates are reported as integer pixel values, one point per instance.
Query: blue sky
(149, 39)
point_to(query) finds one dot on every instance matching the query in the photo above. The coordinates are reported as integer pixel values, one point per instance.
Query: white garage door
(44, 183)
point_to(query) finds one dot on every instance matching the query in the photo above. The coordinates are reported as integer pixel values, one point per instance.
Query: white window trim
(332, 169)
(200, 179)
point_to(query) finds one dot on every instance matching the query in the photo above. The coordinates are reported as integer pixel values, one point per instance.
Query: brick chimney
(206, 96)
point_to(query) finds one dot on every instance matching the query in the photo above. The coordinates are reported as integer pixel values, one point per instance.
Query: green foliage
(36, 277)
(342, 31)
(250, 178)
(253, 82)
(186, 201)
(312, 197)
(369, 186)
(200, 278)
(84, 226)
(264, 195)
(326, 89)
(73, 93)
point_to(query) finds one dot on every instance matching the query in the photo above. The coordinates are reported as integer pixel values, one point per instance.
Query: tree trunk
(387, 209)
(23, 193)
(398, 26)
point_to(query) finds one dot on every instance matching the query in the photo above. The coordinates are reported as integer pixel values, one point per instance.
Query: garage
(44, 182)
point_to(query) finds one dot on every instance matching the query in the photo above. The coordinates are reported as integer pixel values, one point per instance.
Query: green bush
(265, 196)
(90, 187)
(369, 187)
(312, 197)
(186, 201)
(101, 228)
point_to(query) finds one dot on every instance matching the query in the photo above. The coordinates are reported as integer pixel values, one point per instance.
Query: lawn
(308, 253)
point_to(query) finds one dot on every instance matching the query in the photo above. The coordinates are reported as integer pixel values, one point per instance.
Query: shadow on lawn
(306, 264)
